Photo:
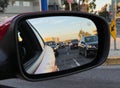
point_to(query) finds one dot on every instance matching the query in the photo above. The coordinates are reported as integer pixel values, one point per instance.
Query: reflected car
(54, 46)
(73, 44)
(61, 45)
(88, 45)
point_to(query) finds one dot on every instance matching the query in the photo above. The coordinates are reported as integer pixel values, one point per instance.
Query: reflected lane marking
(76, 62)
(67, 51)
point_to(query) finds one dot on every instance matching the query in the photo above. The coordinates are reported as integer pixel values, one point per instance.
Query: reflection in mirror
(66, 42)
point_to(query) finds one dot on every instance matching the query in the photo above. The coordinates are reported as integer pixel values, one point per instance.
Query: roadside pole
(40, 5)
(70, 4)
(44, 5)
(115, 45)
(79, 5)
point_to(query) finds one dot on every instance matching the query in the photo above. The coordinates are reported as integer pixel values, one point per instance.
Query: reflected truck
(88, 45)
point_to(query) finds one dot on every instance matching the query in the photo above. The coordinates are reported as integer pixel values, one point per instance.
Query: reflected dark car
(73, 44)
(54, 46)
(88, 46)
(61, 45)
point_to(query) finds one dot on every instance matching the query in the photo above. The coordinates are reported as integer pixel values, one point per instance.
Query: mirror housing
(102, 53)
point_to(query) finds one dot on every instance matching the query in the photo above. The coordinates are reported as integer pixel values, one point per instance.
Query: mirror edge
(104, 42)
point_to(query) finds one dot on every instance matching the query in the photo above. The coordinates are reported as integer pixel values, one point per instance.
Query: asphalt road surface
(102, 77)
(68, 58)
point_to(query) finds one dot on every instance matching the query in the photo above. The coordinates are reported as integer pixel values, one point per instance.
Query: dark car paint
(84, 49)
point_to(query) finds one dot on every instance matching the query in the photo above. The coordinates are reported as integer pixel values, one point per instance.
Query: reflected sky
(64, 27)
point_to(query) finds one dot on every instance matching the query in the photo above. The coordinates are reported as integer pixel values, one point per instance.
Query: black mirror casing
(103, 45)
(8, 56)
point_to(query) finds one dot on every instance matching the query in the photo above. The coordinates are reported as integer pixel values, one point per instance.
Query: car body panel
(45, 63)
(48, 63)
(54, 46)
(4, 26)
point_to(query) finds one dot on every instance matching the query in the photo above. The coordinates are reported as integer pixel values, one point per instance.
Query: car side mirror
(35, 36)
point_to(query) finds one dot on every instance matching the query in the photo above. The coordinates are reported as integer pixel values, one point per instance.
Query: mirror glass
(65, 41)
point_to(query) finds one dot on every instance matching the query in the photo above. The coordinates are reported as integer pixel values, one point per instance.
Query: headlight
(55, 48)
(89, 46)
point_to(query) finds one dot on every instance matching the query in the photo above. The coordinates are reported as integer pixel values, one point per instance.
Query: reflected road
(68, 58)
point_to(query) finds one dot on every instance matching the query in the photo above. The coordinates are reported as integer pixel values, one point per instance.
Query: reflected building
(56, 39)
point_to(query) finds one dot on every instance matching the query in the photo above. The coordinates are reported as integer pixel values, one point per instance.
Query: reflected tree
(83, 33)
(92, 6)
(104, 13)
(77, 6)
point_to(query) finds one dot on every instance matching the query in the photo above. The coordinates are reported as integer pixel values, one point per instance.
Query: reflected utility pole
(70, 7)
(70, 4)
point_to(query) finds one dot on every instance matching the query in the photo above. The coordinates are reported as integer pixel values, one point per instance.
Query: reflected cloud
(57, 22)
(47, 20)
